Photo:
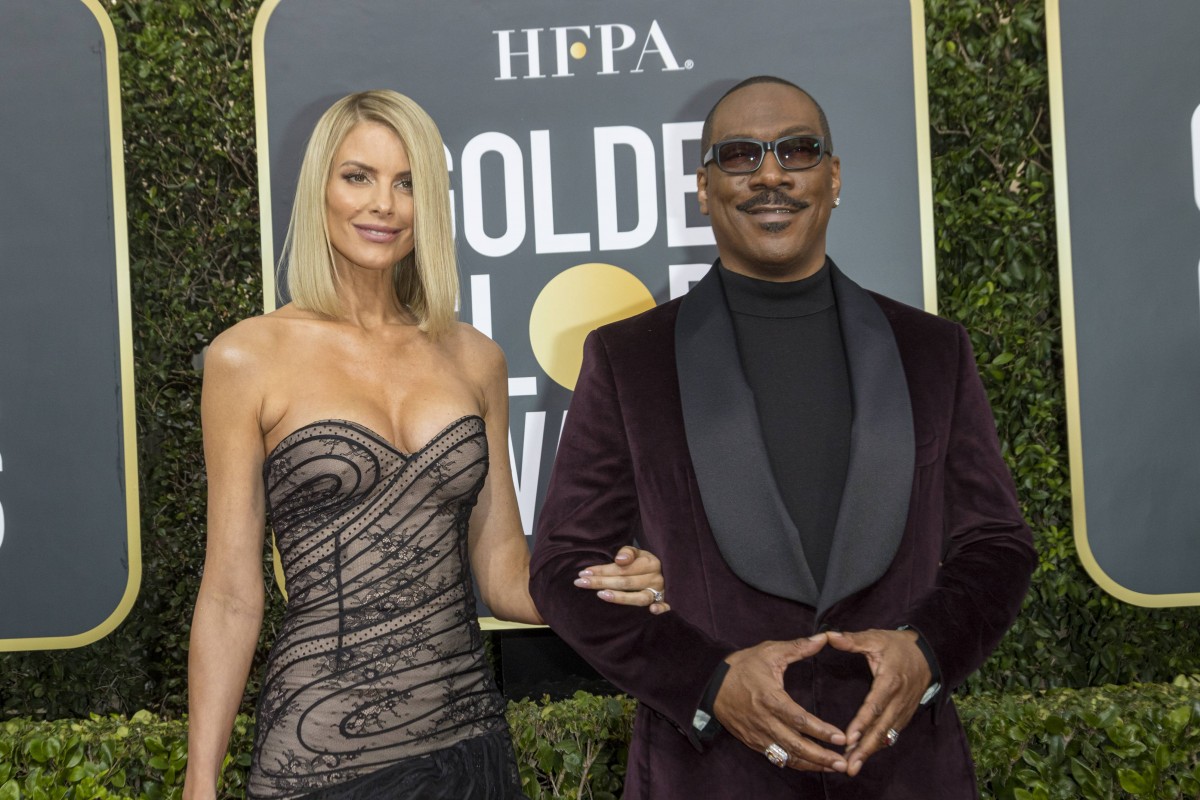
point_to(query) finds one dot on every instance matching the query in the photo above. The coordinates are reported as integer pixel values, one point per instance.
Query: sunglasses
(741, 156)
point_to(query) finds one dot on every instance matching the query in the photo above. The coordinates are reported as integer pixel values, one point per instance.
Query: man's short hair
(706, 134)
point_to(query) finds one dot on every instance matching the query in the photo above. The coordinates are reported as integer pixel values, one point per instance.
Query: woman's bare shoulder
(478, 354)
(257, 342)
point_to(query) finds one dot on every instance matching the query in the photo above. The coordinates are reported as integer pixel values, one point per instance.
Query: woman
(361, 421)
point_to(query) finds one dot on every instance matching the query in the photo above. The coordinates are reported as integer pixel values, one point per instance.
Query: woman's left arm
(496, 544)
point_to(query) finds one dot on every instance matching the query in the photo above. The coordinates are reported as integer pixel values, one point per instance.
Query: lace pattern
(379, 657)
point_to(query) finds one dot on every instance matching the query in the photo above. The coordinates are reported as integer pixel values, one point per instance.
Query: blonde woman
(368, 428)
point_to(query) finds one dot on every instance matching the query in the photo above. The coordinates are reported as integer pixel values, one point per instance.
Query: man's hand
(901, 677)
(753, 706)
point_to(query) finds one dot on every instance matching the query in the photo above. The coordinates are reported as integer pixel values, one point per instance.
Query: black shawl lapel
(745, 511)
(879, 476)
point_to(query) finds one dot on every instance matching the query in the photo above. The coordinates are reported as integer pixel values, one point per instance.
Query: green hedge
(193, 232)
(1113, 742)
(997, 274)
(1139, 740)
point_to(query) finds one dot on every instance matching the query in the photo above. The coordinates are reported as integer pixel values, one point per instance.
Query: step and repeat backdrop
(69, 538)
(1125, 98)
(572, 133)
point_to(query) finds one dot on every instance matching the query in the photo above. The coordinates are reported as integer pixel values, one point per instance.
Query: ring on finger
(776, 755)
(655, 593)
(892, 737)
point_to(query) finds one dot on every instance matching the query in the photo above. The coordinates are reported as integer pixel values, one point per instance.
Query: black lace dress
(377, 685)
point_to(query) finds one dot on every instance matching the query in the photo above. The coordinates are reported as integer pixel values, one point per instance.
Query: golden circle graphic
(578, 50)
(573, 304)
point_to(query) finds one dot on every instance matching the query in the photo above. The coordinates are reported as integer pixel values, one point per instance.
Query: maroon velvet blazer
(662, 445)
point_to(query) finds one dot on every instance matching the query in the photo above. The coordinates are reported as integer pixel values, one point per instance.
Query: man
(818, 469)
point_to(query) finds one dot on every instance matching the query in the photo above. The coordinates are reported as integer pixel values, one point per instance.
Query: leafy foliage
(192, 202)
(1115, 742)
(193, 228)
(1139, 741)
(997, 274)
(113, 758)
(574, 748)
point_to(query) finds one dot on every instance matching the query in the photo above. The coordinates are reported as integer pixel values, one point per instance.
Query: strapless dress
(377, 685)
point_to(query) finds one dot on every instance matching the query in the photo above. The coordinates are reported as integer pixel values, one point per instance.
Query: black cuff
(927, 651)
(705, 722)
(935, 674)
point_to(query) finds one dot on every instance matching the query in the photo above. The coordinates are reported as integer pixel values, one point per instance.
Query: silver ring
(892, 737)
(655, 593)
(776, 755)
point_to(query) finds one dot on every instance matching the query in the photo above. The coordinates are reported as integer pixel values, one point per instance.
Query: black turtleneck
(791, 349)
(790, 343)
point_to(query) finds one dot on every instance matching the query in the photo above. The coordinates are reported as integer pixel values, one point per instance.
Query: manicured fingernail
(839, 765)
(605, 595)
(583, 582)
(585, 573)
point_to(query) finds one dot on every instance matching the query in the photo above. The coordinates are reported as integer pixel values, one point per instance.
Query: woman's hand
(633, 578)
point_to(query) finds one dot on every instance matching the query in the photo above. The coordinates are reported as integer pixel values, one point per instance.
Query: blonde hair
(426, 280)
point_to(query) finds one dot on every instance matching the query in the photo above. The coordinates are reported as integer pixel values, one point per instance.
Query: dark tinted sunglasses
(741, 156)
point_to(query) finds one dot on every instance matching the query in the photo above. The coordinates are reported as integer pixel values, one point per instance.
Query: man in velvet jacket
(818, 469)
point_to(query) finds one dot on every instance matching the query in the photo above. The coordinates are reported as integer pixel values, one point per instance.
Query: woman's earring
(837, 201)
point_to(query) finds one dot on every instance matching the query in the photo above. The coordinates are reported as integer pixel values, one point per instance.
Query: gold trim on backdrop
(494, 624)
(266, 233)
(125, 337)
(1058, 145)
(262, 143)
(924, 160)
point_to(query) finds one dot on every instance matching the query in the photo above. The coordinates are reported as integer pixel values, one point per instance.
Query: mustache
(770, 197)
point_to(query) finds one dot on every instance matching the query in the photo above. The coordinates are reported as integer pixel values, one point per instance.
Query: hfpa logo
(571, 42)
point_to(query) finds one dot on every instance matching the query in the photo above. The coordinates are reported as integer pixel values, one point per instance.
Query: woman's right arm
(229, 607)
